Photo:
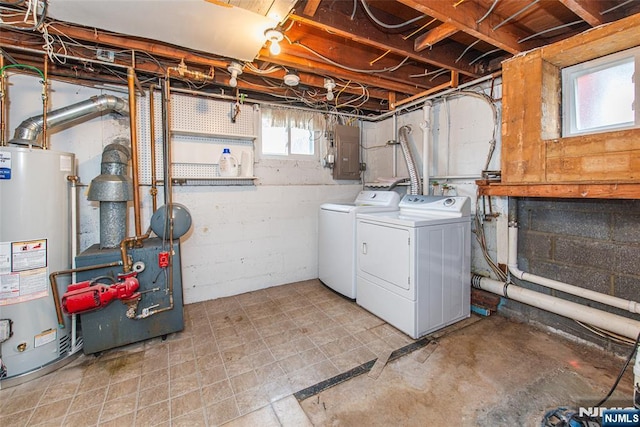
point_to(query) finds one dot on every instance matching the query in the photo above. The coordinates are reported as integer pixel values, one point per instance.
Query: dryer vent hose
(414, 179)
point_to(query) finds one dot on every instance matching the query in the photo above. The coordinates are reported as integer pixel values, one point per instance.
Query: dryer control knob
(449, 202)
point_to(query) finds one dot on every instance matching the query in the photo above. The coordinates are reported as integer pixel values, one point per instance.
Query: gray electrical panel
(109, 327)
(347, 160)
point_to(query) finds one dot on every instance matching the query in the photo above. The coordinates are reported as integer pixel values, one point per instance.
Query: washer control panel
(458, 205)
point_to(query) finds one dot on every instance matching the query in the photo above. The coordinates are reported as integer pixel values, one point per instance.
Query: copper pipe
(54, 284)
(152, 130)
(45, 104)
(131, 77)
(130, 242)
(3, 115)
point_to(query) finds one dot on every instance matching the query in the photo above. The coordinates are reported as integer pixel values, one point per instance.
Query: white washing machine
(413, 264)
(337, 238)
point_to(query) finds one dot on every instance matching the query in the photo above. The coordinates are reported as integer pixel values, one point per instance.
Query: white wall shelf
(181, 132)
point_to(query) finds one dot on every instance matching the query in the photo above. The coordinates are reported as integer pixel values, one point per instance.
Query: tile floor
(238, 358)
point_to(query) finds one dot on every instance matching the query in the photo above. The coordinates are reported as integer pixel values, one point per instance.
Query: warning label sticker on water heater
(23, 271)
(5, 165)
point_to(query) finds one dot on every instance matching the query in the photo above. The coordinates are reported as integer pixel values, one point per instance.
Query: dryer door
(384, 256)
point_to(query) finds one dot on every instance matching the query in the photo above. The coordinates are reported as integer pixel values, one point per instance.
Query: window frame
(289, 155)
(570, 74)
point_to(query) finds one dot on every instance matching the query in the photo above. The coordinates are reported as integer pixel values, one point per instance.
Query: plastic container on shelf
(228, 164)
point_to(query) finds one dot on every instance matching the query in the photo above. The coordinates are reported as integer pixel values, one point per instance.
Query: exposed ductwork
(112, 188)
(28, 132)
(414, 178)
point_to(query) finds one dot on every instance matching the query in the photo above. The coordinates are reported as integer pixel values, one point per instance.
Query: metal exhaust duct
(29, 130)
(113, 189)
(414, 179)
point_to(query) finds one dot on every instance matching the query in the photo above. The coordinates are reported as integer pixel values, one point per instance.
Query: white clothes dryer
(413, 264)
(337, 238)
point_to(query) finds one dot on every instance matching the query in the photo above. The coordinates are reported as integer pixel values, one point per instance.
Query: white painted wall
(461, 127)
(243, 238)
(252, 237)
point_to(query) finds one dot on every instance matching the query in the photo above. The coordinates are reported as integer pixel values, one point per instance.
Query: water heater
(34, 241)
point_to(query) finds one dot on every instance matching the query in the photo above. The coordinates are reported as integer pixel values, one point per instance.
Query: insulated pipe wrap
(414, 179)
(29, 130)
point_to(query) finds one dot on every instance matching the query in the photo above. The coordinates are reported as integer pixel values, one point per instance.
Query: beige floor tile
(50, 411)
(153, 415)
(16, 419)
(262, 358)
(183, 369)
(153, 395)
(117, 407)
(61, 391)
(263, 417)
(84, 400)
(186, 403)
(154, 379)
(221, 412)
(269, 373)
(244, 382)
(192, 419)
(213, 375)
(20, 402)
(251, 399)
(216, 392)
(290, 413)
(123, 388)
(120, 421)
(183, 385)
(85, 416)
(292, 363)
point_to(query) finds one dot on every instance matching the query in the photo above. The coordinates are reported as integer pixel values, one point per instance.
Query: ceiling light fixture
(329, 85)
(274, 36)
(291, 78)
(235, 69)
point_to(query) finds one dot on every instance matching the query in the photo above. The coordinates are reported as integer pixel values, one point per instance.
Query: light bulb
(329, 95)
(233, 82)
(274, 48)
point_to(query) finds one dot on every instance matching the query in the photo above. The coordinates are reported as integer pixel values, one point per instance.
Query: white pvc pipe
(426, 144)
(610, 300)
(608, 321)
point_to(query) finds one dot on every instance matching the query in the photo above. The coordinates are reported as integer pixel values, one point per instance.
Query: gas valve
(91, 295)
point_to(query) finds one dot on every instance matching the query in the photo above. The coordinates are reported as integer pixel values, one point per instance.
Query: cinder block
(589, 278)
(583, 252)
(626, 226)
(534, 245)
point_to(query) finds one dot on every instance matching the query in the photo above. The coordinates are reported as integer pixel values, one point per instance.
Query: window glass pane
(301, 141)
(274, 140)
(605, 97)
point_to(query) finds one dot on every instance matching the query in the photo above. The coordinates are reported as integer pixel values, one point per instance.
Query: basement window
(600, 95)
(289, 133)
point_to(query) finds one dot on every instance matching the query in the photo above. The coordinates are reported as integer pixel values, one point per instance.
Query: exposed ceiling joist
(365, 33)
(589, 10)
(465, 17)
(434, 36)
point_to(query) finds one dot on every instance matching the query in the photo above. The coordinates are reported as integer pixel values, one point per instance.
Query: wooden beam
(575, 191)
(465, 17)
(361, 31)
(311, 7)
(589, 10)
(312, 66)
(432, 37)
(612, 37)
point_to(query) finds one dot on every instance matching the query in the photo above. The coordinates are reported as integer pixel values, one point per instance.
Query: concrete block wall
(593, 244)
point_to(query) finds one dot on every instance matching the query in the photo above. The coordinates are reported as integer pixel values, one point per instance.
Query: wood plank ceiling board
(197, 24)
